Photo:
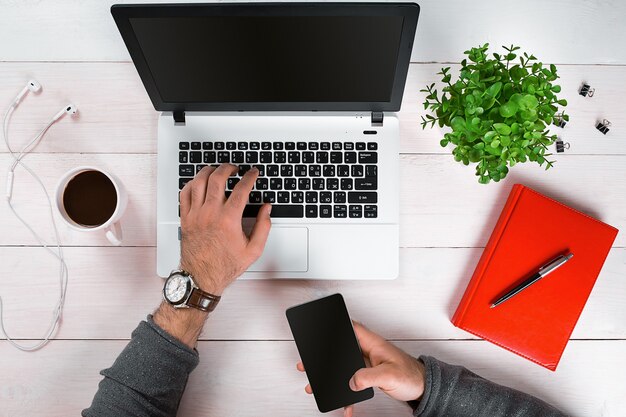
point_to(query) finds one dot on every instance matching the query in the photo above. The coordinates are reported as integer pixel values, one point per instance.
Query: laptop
(307, 93)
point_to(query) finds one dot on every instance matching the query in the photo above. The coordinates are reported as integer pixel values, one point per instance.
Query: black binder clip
(561, 146)
(586, 90)
(559, 120)
(603, 126)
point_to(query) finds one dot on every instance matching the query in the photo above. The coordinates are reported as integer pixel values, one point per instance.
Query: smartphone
(329, 350)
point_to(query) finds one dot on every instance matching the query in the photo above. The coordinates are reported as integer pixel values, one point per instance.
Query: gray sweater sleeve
(454, 391)
(147, 379)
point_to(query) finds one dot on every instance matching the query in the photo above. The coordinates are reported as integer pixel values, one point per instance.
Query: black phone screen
(329, 351)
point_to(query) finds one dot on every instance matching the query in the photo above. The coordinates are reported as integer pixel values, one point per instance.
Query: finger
(300, 366)
(199, 187)
(185, 200)
(308, 389)
(217, 183)
(348, 411)
(239, 197)
(380, 376)
(259, 233)
(367, 338)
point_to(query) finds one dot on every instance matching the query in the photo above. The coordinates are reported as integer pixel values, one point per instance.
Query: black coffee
(90, 198)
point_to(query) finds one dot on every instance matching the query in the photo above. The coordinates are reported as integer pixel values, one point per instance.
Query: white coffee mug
(111, 227)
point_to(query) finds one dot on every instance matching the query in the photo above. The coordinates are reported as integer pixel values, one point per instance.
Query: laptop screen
(230, 60)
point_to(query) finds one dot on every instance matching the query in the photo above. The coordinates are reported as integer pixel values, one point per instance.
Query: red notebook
(532, 230)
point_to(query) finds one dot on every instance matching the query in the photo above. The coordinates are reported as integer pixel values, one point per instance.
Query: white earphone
(33, 86)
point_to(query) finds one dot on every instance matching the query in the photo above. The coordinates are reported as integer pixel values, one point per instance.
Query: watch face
(176, 288)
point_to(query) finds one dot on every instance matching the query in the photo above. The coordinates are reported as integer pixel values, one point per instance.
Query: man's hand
(214, 247)
(396, 373)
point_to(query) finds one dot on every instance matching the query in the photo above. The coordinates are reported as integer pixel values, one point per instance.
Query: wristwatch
(181, 291)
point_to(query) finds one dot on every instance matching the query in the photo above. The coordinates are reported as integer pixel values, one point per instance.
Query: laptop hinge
(179, 117)
(377, 118)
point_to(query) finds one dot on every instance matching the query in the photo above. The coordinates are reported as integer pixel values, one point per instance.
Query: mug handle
(114, 234)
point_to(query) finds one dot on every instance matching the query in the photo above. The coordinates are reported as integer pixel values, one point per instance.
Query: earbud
(33, 86)
(69, 109)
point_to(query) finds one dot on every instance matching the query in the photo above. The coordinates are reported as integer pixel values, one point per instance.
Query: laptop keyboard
(300, 179)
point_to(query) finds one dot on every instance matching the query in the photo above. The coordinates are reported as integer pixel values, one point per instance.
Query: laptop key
(252, 157)
(367, 183)
(325, 146)
(350, 157)
(269, 197)
(286, 170)
(278, 146)
(328, 170)
(255, 146)
(332, 184)
(326, 211)
(219, 146)
(297, 197)
(355, 212)
(304, 184)
(301, 146)
(315, 170)
(186, 170)
(314, 146)
(223, 157)
(290, 146)
(243, 169)
(308, 157)
(209, 157)
(336, 158)
(362, 197)
(360, 146)
(207, 146)
(372, 146)
(343, 170)
(300, 170)
(371, 171)
(318, 183)
(357, 170)
(242, 146)
(368, 157)
(370, 211)
(347, 184)
(286, 211)
(182, 182)
(237, 157)
(231, 183)
(266, 157)
(311, 197)
(199, 167)
(255, 197)
(348, 146)
(283, 197)
(196, 146)
(311, 211)
(262, 184)
(195, 157)
(280, 157)
(326, 197)
(340, 211)
(337, 146)
(183, 157)
(272, 170)
(231, 146)
(290, 184)
(276, 183)
(266, 146)
(293, 157)
(339, 197)
(183, 145)
(261, 169)
(321, 157)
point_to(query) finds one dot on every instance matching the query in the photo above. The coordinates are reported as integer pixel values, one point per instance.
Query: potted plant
(499, 111)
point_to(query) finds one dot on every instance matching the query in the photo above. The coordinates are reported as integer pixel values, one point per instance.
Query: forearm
(149, 376)
(455, 391)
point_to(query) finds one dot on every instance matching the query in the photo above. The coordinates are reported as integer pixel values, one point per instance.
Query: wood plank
(121, 119)
(234, 378)
(561, 31)
(112, 289)
(442, 204)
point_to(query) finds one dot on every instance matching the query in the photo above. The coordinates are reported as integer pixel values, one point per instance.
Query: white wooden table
(247, 356)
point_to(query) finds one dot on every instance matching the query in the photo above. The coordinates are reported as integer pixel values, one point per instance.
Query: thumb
(378, 376)
(260, 231)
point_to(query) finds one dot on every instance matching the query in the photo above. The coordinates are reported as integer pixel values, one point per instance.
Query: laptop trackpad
(286, 250)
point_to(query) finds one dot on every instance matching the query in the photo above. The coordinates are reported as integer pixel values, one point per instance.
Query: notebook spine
(487, 253)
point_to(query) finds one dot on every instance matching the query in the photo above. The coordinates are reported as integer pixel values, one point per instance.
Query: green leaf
(505, 140)
(494, 89)
(458, 124)
(489, 136)
(495, 143)
(562, 102)
(502, 128)
(529, 101)
(444, 142)
(556, 89)
(508, 109)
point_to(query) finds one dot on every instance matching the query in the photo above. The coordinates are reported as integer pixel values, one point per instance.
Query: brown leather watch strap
(202, 300)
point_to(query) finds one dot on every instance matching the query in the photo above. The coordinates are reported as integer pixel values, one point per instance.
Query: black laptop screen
(239, 59)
